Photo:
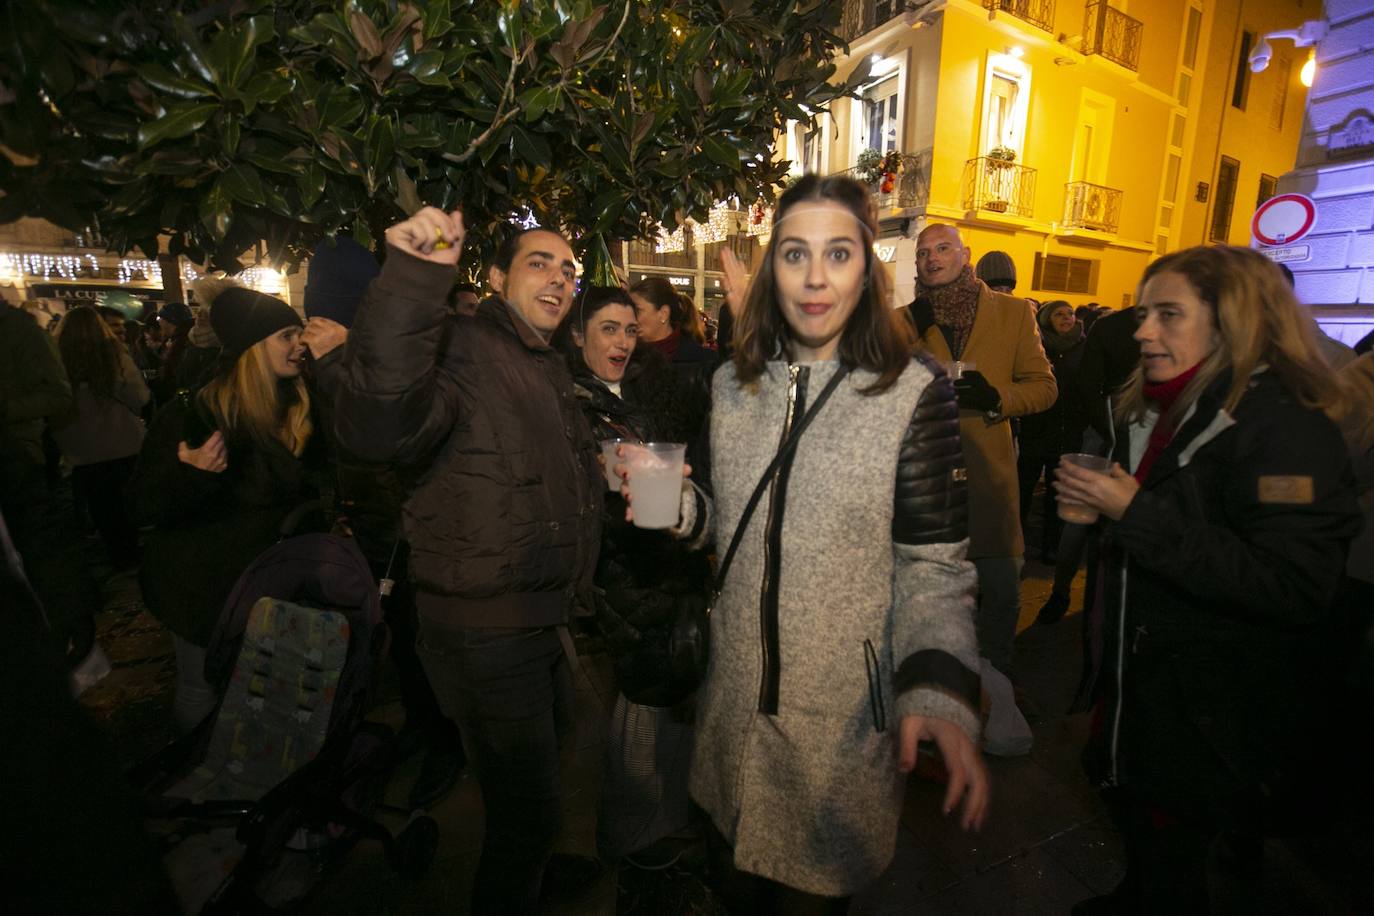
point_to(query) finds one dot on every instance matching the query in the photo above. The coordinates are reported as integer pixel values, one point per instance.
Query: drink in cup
(608, 447)
(655, 482)
(1077, 513)
(958, 367)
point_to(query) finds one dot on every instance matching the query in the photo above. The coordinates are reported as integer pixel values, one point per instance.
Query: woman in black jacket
(1057, 431)
(645, 579)
(666, 321)
(1227, 539)
(219, 471)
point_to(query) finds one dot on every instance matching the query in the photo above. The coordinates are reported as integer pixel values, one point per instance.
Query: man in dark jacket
(505, 521)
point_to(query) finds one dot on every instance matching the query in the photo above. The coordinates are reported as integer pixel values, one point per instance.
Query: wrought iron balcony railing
(1091, 206)
(910, 187)
(860, 17)
(999, 186)
(1112, 34)
(1039, 13)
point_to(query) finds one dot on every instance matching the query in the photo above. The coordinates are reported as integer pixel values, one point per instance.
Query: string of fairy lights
(722, 221)
(42, 267)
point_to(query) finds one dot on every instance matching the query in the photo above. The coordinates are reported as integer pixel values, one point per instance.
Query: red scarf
(1163, 395)
(668, 345)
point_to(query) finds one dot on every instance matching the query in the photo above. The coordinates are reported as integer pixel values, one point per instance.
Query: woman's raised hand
(736, 281)
(322, 336)
(212, 456)
(968, 778)
(431, 235)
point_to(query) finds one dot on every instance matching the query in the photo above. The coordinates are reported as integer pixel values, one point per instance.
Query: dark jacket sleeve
(164, 489)
(1290, 511)
(394, 401)
(1092, 377)
(934, 651)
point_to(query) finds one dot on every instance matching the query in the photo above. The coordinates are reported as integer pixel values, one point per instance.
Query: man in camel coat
(991, 343)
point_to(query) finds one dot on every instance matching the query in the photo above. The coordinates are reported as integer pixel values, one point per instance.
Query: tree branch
(503, 114)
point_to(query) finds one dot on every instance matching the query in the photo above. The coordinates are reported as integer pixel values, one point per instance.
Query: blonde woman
(1231, 507)
(219, 470)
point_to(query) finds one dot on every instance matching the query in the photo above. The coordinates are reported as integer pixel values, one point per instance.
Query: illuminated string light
(671, 242)
(263, 279)
(129, 268)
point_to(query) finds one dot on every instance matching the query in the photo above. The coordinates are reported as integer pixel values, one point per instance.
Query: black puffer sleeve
(934, 650)
(931, 500)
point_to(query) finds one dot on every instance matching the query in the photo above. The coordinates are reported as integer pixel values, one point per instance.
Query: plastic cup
(608, 447)
(958, 367)
(1078, 513)
(656, 482)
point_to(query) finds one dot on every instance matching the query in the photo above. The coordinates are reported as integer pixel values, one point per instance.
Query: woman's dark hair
(90, 351)
(660, 292)
(876, 338)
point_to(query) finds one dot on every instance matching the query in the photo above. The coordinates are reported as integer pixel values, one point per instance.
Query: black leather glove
(976, 393)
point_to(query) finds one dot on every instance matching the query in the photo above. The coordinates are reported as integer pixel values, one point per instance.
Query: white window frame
(858, 116)
(1018, 72)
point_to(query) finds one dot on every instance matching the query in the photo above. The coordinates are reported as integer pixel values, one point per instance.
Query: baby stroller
(280, 781)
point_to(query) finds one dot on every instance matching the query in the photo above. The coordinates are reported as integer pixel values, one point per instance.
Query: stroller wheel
(416, 847)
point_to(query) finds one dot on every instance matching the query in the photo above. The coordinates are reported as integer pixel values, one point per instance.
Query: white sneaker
(1006, 734)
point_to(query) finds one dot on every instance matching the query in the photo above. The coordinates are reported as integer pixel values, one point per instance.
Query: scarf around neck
(955, 305)
(1057, 344)
(1163, 395)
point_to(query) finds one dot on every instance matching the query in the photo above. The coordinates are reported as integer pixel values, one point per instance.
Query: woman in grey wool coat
(843, 634)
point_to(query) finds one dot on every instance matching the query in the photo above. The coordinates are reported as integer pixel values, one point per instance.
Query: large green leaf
(177, 122)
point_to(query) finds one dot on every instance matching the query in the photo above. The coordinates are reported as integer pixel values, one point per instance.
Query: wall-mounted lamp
(1304, 36)
(1309, 69)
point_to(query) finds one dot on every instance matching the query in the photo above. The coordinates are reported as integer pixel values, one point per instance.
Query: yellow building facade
(1082, 138)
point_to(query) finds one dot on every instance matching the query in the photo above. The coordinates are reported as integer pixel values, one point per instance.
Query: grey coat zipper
(768, 623)
(1114, 744)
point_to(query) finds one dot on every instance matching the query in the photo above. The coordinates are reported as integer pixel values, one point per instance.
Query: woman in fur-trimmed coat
(844, 632)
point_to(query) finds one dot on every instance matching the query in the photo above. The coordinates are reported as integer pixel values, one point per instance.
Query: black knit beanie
(241, 317)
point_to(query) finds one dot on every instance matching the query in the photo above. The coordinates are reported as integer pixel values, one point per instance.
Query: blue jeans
(510, 692)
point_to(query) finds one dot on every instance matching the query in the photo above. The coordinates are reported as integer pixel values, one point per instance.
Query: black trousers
(511, 692)
(101, 487)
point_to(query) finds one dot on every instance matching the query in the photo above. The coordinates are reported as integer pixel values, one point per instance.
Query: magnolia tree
(223, 125)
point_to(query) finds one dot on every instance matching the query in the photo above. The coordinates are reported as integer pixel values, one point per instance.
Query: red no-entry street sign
(1284, 219)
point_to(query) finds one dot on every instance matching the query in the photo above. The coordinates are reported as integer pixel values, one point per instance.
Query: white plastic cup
(611, 459)
(958, 367)
(1074, 512)
(656, 482)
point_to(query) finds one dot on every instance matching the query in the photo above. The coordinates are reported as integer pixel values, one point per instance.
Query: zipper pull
(1135, 641)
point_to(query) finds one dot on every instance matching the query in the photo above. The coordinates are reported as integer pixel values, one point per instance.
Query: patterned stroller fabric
(276, 711)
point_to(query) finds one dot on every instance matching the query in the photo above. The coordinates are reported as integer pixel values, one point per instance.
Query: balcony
(1091, 206)
(1039, 13)
(999, 186)
(1112, 34)
(910, 183)
(859, 17)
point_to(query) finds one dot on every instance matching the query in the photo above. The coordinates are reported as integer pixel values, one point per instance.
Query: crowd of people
(838, 601)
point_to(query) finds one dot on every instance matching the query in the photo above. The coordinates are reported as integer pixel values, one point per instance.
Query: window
(1224, 200)
(880, 116)
(1190, 36)
(1060, 274)
(1093, 137)
(1268, 187)
(1176, 133)
(1242, 86)
(1282, 72)
(812, 142)
(1006, 100)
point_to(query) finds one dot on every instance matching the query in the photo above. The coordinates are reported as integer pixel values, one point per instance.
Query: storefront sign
(886, 253)
(88, 293)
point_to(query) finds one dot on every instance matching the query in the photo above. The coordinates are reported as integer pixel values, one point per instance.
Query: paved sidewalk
(1047, 845)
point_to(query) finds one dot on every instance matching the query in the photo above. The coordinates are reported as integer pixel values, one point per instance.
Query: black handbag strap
(784, 450)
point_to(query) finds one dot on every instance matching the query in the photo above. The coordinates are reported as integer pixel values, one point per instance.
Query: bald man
(993, 339)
